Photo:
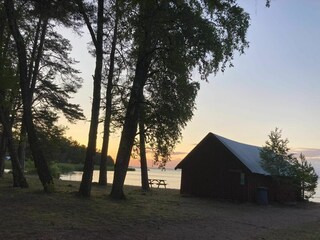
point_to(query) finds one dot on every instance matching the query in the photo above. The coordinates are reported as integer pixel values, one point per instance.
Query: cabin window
(242, 175)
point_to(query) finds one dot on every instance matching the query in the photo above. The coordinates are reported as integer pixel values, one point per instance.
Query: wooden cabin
(225, 169)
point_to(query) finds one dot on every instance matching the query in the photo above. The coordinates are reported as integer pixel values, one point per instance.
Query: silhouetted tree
(275, 155)
(3, 147)
(85, 187)
(108, 97)
(187, 34)
(277, 160)
(305, 176)
(38, 14)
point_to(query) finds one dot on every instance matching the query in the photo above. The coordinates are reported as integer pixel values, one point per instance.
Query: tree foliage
(176, 38)
(275, 155)
(277, 160)
(44, 69)
(305, 176)
(169, 106)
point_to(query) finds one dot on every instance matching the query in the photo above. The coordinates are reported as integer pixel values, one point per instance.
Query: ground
(159, 214)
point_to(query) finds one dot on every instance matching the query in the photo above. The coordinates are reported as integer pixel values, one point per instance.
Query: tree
(143, 153)
(277, 160)
(25, 83)
(30, 40)
(183, 35)
(275, 155)
(8, 91)
(85, 186)
(305, 176)
(3, 147)
(108, 98)
(19, 179)
(169, 105)
(51, 73)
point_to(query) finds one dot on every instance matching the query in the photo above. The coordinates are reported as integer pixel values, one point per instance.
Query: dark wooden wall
(211, 170)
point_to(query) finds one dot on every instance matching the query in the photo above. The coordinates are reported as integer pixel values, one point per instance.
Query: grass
(64, 211)
(160, 213)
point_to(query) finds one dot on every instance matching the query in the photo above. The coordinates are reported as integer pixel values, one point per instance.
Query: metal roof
(249, 155)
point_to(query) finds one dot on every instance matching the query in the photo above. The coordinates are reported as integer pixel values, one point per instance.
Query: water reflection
(133, 178)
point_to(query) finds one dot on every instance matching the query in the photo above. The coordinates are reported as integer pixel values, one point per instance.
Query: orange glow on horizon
(79, 132)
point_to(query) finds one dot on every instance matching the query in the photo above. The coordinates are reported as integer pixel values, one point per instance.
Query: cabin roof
(249, 155)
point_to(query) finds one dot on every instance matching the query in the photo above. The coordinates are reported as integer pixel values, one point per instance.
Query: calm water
(172, 177)
(133, 178)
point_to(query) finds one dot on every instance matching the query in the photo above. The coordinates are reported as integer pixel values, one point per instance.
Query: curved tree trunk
(132, 114)
(107, 119)
(85, 186)
(19, 179)
(39, 159)
(32, 75)
(129, 128)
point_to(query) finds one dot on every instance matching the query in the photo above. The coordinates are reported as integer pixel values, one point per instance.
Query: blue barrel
(262, 196)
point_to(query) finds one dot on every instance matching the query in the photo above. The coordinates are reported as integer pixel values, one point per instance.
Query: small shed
(225, 169)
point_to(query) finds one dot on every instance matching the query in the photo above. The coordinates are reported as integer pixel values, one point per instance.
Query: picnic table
(158, 182)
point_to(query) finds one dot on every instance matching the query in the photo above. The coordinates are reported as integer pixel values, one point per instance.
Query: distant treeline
(60, 149)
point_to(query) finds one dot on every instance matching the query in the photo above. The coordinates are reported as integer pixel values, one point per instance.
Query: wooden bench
(158, 182)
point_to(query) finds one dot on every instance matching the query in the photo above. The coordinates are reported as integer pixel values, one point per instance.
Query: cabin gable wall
(213, 171)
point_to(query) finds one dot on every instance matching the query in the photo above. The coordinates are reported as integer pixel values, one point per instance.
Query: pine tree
(275, 155)
(305, 176)
(277, 160)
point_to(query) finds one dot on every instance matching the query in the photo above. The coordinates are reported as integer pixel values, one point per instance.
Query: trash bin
(262, 195)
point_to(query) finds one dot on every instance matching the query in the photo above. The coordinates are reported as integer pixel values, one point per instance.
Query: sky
(274, 84)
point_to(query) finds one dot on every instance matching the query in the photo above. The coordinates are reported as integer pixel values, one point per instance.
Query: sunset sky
(274, 84)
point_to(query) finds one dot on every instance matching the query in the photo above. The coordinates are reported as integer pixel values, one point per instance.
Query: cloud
(149, 150)
(310, 153)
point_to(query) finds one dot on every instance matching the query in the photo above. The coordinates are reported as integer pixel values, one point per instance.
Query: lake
(172, 177)
(133, 178)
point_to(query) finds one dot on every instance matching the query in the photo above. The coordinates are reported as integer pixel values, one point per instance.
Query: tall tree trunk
(107, 119)
(4, 39)
(39, 159)
(22, 145)
(143, 155)
(129, 128)
(132, 114)
(3, 146)
(19, 179)
(85, 186)
(33, 71)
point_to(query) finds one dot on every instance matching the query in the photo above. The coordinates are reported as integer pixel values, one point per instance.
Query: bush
(54, 170)
(29, 167)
